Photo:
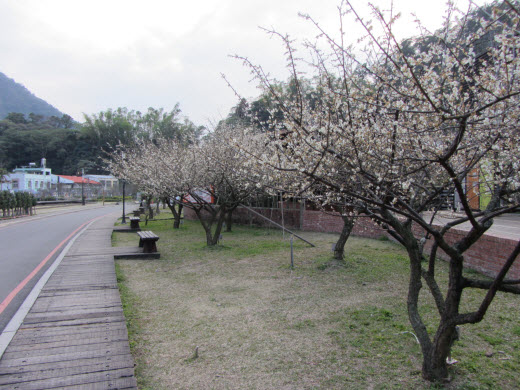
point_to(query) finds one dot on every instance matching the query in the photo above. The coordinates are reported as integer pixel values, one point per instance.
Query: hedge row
(115, 198)
(16, 204)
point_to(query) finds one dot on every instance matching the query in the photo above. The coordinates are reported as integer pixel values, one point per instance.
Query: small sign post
(292, 253)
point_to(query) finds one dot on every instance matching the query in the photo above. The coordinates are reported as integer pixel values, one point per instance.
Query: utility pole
(123, 220)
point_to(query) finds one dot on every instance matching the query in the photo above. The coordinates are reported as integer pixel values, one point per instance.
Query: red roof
(79, 180)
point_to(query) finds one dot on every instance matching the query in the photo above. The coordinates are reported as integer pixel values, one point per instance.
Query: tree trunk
(207, 225)
(209, 238)
(221, 216)
(150, 210)
(229, 220)
(434, 365)
(176, 214)
(212, 238)
(339, 250)
(177, 221)
(435, 368)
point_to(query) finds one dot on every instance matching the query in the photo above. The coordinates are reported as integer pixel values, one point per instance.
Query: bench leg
(149, 247)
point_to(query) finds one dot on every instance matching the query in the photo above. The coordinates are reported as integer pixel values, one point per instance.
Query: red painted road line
(24, 282)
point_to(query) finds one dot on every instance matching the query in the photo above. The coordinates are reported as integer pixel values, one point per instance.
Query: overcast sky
(85, 56)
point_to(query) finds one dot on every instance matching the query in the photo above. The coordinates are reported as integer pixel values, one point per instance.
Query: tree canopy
(70, 147)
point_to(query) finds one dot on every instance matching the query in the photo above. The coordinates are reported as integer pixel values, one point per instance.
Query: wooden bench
(147, 240)
(137, 213)
(134, 222)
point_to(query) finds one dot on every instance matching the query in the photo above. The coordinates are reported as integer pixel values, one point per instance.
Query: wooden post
(292, 253)
(302, 212)
(281, 211)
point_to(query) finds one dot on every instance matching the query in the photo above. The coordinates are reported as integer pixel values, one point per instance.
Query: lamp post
(123, 220)
(82, 193)
(82, 187)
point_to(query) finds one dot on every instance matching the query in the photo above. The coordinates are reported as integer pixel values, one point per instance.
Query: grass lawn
(237, 317)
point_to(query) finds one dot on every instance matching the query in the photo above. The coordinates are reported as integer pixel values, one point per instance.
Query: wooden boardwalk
(74, 336)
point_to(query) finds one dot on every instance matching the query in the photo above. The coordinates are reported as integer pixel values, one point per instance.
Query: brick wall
(487, 255)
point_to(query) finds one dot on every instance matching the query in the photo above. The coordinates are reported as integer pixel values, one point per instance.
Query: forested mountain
(14, 97)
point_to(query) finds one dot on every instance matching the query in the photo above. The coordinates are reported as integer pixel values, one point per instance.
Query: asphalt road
(26, 242)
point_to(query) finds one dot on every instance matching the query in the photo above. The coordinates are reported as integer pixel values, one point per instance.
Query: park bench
(147, 240)
(134, 222)
(137, 213)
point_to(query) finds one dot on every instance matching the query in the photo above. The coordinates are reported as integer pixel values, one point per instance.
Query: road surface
(30, 242)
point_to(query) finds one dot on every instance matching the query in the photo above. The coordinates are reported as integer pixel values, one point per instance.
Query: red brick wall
(291, 218)
(487, 255)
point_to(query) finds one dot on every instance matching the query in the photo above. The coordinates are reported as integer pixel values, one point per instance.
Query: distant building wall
(109, 183)
(32, 180)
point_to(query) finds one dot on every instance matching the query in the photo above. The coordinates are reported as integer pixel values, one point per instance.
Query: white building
(31, 179)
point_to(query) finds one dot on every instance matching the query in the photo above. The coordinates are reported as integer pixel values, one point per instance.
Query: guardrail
(57, 202)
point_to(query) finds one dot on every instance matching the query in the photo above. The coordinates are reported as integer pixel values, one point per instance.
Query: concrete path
(504, 226)
(74, 335)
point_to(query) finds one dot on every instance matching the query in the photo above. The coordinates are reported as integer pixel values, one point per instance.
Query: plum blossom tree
(287, 182)
(398, 126)
(155, 167)
(207, 177)
(217, 181)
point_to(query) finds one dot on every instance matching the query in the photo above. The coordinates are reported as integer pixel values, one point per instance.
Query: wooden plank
(80, 292)
(70, 340)
(123, 359)
(69, 330)
(68, 359)
(40, 372)
(83, 321)
(67, 304)
(72, 315)
(66, 332)
(67, 350)
(68, 288)
(105, 279)
(77, 311)
(90, 303)
(61, 303)
(119, 384)
(74, 380)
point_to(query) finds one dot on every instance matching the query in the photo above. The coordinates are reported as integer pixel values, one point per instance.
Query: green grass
(323, 325)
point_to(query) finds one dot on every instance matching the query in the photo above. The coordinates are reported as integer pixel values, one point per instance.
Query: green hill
(14, 97)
